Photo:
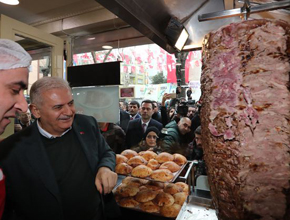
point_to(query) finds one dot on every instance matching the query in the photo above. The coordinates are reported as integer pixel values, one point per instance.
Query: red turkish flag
(171, 69)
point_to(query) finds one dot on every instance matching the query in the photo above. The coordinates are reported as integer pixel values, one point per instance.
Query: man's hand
(17, 127)
(164, 98)
(105, 180)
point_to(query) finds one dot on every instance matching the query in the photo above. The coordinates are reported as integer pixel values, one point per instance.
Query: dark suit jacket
(32, 190)
(134, 132)
(124, 120)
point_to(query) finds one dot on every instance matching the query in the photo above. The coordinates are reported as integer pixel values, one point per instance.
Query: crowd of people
(175, 120)
(60, 165)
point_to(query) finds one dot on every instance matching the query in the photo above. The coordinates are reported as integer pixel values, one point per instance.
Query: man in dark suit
(60, 166)
(124, 120)
(156, 114)
(137, 127)
(134, 109)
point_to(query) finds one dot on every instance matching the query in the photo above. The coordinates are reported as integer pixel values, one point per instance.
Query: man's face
(24, 117)
(191, 111)
(146, 111)
(12, 84)
(184, 125)
(133, 109)
(171, 112)
(155, 107)
(198, 140)
(56, 112)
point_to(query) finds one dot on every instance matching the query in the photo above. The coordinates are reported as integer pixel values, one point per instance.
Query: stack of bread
(145, 164)
(150, 196)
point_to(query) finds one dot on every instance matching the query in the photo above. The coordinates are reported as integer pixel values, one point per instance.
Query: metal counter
(197, 208)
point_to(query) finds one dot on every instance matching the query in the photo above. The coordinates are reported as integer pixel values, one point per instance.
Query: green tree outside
(158, 78)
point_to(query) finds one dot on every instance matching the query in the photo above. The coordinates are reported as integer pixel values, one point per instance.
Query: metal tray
(138, 209)
(197, 208)
(175, 175)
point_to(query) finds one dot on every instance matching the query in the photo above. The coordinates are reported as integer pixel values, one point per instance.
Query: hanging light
(176, 33)
(10, 2)
(107, 47)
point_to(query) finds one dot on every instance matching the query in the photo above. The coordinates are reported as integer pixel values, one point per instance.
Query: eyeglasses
(152, 136)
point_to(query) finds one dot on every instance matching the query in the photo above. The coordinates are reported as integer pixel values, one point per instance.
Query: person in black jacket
(60, 167)
(137, 127)
(124, 120)
(197, 152)
(156, 114)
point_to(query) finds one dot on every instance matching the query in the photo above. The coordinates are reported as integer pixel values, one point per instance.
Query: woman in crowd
(149, 141)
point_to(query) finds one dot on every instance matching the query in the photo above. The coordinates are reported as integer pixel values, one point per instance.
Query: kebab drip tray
(197, 208)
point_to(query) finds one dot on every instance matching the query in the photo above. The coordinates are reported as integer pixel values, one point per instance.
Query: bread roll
(141, 188)
(163, 175)
(141, 153)
(154, 183)
(179, 159)
(153, 164)
(149, 207)
(141, 171)
(126, 191)
(154, 188)
(179, 198)
(184, 186)
(128, 202)
(164, 157)
(127, 179)
(136, 161)
(164, 199)
(123, 168)
(129, 153)
(121, 159)
(135, 182)
(147, 155)
(146, 195)
(170, 165)
(170, 211)
(172, 188)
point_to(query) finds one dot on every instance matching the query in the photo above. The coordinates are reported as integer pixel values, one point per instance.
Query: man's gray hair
(44, 84)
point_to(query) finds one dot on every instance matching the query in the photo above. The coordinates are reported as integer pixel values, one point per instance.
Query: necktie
(144, 127)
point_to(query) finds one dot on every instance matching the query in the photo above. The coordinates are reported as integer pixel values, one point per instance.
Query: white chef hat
(12, 55)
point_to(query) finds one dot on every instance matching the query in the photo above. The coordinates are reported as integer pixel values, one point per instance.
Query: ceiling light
(107, 47)
(176, 34)
(10, 2)
(189, 47)
(91, 38)
(181, 40)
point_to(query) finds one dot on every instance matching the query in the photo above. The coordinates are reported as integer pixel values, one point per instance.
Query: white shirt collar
(145, 122)
(48, 135)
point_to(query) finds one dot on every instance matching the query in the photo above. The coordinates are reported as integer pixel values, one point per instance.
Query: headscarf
(149, 129)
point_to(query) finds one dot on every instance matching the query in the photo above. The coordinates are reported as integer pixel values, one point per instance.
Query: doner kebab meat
(245, 118)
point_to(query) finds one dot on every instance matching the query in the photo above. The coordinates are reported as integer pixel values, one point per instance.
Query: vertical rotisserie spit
(245, 119)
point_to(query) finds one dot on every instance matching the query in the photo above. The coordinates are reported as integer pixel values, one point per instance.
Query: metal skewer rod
(241, 12)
